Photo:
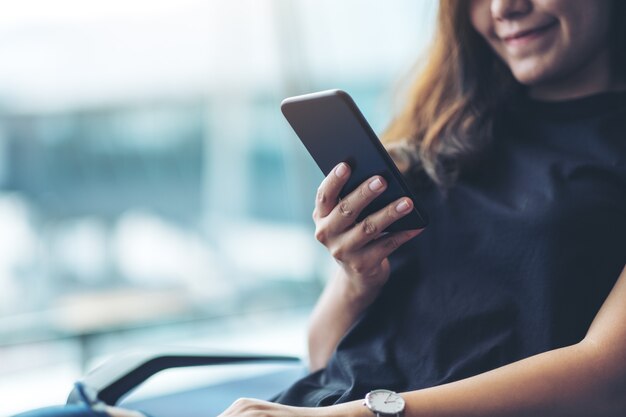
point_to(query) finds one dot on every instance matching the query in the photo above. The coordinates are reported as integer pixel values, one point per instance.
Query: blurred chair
(112, 381)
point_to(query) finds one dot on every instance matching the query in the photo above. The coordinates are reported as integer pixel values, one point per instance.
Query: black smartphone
(333, 130)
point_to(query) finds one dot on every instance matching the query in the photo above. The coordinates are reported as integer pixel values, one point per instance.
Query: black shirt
(517, 259)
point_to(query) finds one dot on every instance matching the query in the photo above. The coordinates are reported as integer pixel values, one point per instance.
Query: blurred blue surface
(150, 190)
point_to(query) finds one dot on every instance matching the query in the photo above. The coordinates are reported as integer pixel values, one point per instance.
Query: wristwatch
(384, 403)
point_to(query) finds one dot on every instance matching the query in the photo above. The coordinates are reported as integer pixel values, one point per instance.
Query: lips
(518, 35)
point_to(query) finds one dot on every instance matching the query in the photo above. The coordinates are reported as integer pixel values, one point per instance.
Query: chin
(532, 76)
(528, 80)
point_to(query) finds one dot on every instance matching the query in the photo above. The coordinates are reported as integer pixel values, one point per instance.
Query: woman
(515, 137)
(513, 301)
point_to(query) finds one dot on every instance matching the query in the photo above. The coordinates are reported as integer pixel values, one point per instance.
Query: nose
(510, 9)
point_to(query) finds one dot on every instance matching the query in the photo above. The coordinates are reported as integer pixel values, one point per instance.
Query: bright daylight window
(150, 190)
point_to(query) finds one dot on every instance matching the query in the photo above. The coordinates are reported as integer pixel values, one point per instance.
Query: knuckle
(321, 196)
(391, 211)
(241, 403)
(364, 191)
(337, 252)
(359, 268)
(368, 227)
(392, 243)
(321, 235)
(345, 209)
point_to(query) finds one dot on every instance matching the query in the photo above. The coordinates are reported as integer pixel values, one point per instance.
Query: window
(150, 190)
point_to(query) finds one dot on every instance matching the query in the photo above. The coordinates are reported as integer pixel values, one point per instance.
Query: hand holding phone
(333, 130)
(363, 210)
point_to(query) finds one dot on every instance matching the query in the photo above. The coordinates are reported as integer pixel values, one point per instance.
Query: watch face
(384, 401)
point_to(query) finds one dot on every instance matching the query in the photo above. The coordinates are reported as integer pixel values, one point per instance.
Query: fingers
(383, 247)
(257, 408)
(373, 225)
(363, 245)
(346, 212)
(328, 192)
(339, 215)
(121, 412)
(368, 260)
(361, 248)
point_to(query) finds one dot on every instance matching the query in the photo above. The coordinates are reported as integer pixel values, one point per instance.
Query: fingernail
(376, 185)
(341, 170)
(402, 206)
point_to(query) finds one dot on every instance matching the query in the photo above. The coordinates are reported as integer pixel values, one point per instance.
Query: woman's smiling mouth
(523, 37)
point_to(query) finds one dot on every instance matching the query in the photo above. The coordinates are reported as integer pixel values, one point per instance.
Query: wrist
(349, 409)
(357, 291)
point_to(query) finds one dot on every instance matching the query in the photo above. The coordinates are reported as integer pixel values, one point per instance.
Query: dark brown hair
(448, 119)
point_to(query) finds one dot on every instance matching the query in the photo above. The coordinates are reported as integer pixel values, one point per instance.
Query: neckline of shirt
(591, 106)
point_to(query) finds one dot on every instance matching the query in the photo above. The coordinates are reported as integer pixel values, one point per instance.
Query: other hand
(122, 412)
(246, 407)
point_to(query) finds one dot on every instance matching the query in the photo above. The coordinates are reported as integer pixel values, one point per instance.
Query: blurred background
(151, 192)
